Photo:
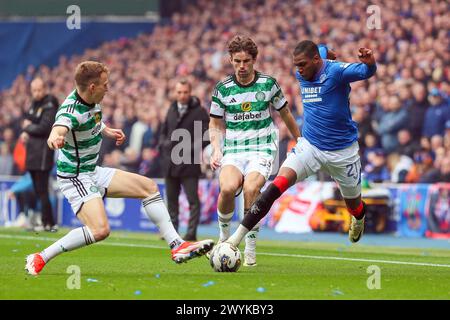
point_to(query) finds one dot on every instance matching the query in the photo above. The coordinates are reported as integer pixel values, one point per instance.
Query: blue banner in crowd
(412, 210)
(8, 205)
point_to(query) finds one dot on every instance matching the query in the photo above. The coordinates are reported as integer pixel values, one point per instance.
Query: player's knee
(251, 191)
(228, 190)
(101, 233)
(150, 187)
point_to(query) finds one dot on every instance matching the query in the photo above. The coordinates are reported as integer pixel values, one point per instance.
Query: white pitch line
(113, 244)
(118, 244)
(355, 259)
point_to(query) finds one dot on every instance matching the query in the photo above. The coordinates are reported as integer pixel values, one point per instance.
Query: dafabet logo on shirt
(97, 117)
(246, 106)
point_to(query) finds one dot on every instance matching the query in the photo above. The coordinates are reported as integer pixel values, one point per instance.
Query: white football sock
(157, 212)
(238, 235)
(224, 224)
(77, 238)
(250, 238)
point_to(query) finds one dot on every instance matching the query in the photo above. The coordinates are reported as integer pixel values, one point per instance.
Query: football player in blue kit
(329, 135)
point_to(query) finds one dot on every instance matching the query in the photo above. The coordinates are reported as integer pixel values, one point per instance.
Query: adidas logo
(233, 100)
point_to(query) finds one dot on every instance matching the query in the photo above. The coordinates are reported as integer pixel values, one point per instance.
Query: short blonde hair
(88, 72)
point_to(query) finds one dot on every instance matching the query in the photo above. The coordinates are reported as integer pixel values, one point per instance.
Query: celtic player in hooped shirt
(329, 141)
(77, 132)
(243, 102)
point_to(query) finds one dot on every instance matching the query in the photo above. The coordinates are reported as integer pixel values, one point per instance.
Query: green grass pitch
(138, 266)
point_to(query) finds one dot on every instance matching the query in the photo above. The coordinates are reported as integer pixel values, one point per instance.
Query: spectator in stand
(445, 169)
(407, 146)
(412, 55)
(422, 169)
(405, 94)
(149, 165)
(6, 160)
(370, 144)
(417, 111)
(393, 119)
(23, 191)
(8, 138)
(436, 116)
(376, 169)
(425, 144)
(138, 130)
(362, 117)
(399, 166)
(447, 135)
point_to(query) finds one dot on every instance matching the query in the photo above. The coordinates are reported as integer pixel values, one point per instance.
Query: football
(225, 258)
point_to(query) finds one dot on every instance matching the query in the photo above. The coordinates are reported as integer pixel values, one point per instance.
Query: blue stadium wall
(36, 43)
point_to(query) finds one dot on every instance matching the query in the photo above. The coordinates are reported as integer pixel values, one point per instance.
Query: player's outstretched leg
(92, 214)
(181, 250)
(129, 185)
(250, 246)
(230, 181)
(262, 205)
(253, 183)
(357, 224)
(75, 239)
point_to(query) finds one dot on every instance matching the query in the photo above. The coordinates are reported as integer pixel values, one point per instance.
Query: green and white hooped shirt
(249, 125)
(83, 141)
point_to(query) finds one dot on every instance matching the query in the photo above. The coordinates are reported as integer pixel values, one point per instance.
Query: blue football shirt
(328, 123)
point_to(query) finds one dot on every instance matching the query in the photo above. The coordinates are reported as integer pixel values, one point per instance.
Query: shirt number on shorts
(265, 163)
(354, 170)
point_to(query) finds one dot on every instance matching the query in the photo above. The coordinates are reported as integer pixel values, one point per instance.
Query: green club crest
(260, 96)
(276, 100)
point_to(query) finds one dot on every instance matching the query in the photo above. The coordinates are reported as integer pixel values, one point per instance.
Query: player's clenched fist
(366, 56)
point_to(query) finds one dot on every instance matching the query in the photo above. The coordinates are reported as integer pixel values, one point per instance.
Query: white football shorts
(247, 162)
(344, 165)
(86, 186)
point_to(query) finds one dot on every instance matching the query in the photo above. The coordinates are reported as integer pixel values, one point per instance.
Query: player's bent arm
(290, 122)
(216, 132)
(56, 137)
(107, 131)
(360, 71)
(115, 134)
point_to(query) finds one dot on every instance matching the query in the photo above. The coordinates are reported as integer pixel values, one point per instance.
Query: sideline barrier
(410, 210)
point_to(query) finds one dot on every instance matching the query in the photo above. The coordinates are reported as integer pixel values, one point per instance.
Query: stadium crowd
(403, 111)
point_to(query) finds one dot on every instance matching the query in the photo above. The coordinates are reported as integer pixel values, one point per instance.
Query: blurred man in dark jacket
(436, 116)
(181, 144)
(39, 161)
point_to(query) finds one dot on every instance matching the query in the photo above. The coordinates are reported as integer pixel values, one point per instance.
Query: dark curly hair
(242, 43)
